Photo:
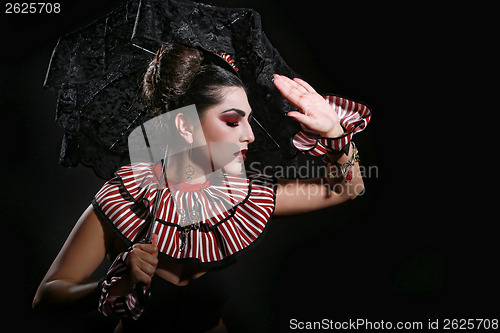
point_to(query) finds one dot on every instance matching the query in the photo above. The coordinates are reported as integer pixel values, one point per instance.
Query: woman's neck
(182, 169)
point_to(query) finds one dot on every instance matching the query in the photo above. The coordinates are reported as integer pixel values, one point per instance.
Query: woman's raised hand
(313, 110)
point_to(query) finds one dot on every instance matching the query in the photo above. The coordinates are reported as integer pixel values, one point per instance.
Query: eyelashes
(233, 121)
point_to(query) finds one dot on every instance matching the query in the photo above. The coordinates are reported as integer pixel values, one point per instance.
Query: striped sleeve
(123, 306)
(353, 116)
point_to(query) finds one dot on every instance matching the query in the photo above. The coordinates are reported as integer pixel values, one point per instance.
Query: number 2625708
(32, 8)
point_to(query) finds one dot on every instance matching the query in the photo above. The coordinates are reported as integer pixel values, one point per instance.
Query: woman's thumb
(154, 239)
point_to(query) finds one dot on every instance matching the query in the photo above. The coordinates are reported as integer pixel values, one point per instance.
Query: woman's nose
(247, 135)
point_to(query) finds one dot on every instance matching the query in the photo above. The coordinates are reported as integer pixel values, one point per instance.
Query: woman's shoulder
(137, 171)
(129, 183)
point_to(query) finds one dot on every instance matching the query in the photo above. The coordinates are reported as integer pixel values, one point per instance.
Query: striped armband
(123, 306)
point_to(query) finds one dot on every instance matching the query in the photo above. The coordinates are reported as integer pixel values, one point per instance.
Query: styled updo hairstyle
(179, 76)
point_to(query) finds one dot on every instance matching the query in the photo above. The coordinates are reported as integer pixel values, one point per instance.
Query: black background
(418, 245)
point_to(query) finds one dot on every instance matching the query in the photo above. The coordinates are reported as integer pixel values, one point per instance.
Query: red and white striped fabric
(229, 59)
(235, 212)
(353, 117)
(123, 306)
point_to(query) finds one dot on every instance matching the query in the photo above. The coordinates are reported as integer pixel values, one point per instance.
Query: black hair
(179, 76)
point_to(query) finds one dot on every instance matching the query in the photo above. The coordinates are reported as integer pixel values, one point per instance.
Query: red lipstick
(242, 153)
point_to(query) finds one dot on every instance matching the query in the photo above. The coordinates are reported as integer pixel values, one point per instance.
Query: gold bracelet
(346, 167)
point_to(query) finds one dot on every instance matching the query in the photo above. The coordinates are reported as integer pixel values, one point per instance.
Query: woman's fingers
(313, 110)
(137, 275)
(300, 117)
(143, 260)
(150, 258)
(290, 89)
(305, 85)
(298, 92)
(142, 268)
(297, 86)
(148, 248)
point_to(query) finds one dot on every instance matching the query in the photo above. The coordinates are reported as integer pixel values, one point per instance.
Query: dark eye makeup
(232, 117)
(231, 120)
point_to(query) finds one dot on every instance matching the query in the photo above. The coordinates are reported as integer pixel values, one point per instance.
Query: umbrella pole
(266, 132)
(157, 200)
(147, 238)
(144, 296)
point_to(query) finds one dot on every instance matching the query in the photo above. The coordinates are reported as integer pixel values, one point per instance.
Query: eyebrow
(238, 111)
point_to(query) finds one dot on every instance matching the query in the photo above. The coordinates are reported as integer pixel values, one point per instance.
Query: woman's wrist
(335, 132)
(341, 164)
(122, 287)
(342, 156)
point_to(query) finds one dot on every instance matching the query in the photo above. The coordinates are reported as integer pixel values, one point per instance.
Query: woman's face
(227, 131)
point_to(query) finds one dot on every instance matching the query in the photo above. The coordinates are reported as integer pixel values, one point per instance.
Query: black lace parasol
(96, 73)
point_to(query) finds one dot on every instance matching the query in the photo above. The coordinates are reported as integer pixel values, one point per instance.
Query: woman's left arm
(302, 196)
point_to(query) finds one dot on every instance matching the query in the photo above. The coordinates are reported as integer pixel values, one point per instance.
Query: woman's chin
(235, 167)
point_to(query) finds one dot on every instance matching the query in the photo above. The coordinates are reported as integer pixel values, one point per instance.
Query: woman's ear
(184, 126)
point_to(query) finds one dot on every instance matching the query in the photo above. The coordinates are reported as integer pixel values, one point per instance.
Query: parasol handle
(266, 132)
(143, 296)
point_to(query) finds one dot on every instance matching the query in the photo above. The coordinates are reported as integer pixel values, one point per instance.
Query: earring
(189, 171)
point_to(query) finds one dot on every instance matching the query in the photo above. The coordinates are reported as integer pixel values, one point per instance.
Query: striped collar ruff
(234, 212)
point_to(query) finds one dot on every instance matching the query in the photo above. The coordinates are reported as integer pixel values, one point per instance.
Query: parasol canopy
(96, 73)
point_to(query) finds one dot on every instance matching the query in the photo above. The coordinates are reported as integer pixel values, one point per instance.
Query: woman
(199, 229)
